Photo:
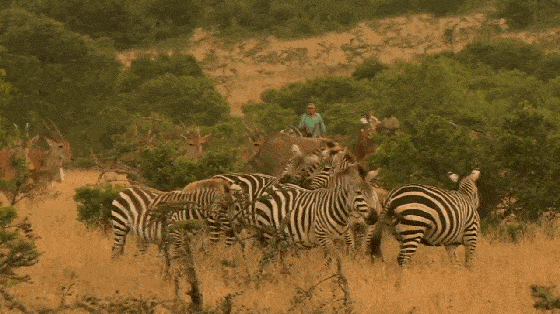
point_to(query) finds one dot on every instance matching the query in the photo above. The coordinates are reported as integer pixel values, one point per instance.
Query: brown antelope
(272, 152)
(195, 143)
(43, 165)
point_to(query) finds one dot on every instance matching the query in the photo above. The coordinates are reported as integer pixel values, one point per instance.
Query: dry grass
(77, 260)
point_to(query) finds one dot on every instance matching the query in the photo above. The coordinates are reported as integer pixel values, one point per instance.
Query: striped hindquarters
(434, 216)
(129, 213)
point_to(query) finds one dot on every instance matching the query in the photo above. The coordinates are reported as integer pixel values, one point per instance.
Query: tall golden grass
(76, 263)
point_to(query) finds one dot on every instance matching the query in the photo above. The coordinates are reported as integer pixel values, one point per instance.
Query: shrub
(368, 69)
(17, 250)
(94, 204)
(507, 54)
(165, 169)
(193, 100)
(322, 92)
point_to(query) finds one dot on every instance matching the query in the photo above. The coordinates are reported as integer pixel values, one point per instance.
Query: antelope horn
(57, 130)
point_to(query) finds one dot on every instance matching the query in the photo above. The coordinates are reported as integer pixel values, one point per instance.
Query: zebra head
(468, 185)
(363, 198)
(298, 165)
(302, 169)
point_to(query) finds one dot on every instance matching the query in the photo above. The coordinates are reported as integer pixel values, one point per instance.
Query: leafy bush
(508, 54)
(271, 117)
(522, 14)
(322, 92)
(193, 100)
(426, 153)
(545, 298)
(147, 67)
(94, 204)
(368, 69)
(112, 19)
(165, 169)
(17, 250)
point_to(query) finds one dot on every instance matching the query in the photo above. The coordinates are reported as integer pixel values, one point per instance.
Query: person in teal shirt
(312, 122)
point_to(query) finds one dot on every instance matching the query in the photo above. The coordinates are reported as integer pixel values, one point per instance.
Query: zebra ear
(454, 177)
(362, 170)
(296, 151)
(371, 174)
(475, 174)
(313, 159)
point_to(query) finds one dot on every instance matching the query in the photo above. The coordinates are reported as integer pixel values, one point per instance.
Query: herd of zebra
(310, 204)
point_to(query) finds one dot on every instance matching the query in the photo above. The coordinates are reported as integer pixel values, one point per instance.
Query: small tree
(16, 250)
(94, 204)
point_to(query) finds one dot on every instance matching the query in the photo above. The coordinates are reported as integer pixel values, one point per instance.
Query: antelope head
(195, 142)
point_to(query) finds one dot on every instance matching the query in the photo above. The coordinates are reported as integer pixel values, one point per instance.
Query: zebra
(252, 186)
(432, 216)
(339, 160)
(309, 217)
(302, 166)
(134, 207)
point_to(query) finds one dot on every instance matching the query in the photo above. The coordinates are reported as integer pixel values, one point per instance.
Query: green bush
(522, 14)
(368, 69)
(193, 100)
(18, 250)
(271, 117)
(165, 169)
(95, 204)
(322, 92)
(508, 54)
(146, 67)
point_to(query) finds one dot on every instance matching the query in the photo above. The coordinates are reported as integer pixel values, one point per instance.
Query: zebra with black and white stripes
(315, 217)
(433, 216)
(200, 200)
(301, 167)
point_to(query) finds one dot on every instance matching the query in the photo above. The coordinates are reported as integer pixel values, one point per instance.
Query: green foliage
(62, 78)
(438, 8)
(271, 117)
(193, 100)
(94, 204)
(165, 169)
(179, 12)
(115, 19)
(322, 92)
(506, 54)
(368, 69)
(17, 250)
(426, 153)
(545, 298)
(344, 119)
(147, 67)
(522, 14)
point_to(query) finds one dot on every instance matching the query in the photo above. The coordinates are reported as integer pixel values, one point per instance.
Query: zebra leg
(142, 247)
(373, 241)
(349, 241)
(119, 233)
(407, 250)
(470, 241)
(326, 244)
(452, 252)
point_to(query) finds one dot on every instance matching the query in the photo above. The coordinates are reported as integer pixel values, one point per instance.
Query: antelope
(195, 142)
(43, 165)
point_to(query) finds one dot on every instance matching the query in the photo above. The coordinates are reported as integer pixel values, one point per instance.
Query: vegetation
(94, 204)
